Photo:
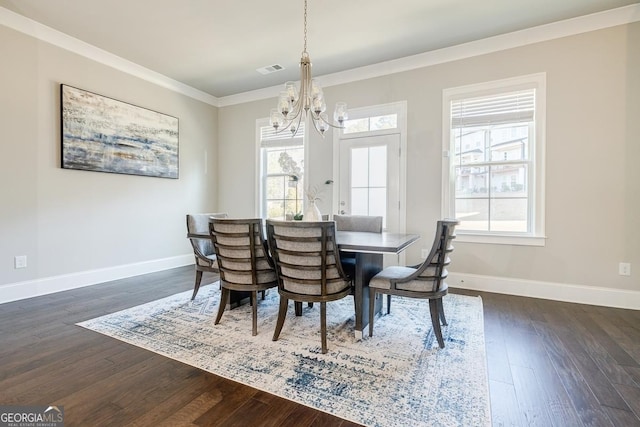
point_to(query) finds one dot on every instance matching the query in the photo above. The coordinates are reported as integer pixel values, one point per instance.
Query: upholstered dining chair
(371, 224)
(198, 226)
(244, 261)
(365, 223)
(426, 280)
(308, 267)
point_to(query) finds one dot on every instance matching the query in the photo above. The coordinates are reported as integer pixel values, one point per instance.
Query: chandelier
(294, 104)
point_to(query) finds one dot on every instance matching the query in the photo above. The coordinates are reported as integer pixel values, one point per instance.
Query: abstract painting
(105, 135)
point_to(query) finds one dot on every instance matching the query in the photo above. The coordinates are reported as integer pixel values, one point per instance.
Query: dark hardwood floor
(549, 364)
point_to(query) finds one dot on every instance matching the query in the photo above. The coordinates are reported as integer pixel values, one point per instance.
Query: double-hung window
(494, 160)
(281, 165)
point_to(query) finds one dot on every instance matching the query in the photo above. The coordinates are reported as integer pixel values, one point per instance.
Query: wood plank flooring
(549, 364)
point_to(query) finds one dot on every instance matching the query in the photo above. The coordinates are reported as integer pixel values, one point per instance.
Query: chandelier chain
(305, 26)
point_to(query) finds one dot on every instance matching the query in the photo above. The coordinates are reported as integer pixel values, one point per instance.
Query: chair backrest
(434, 267)
(199, 224)
(371, 224)
(241, 251)
(306, 257)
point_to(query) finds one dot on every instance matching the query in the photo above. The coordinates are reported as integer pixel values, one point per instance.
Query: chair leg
(388, 303)
(323, 326)
(224, 300)
(197, 285)
(310, 304)
(263, 294)
(435, 321)
(441, 311)
(372, 308)
(282, 313)
(254, 313)
(298, 306)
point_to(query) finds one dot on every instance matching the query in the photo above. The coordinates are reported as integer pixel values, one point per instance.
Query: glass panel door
(369, 178)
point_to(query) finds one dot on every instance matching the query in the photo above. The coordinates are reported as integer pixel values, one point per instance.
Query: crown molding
(40, 31)
(555, 30)
(582, 24)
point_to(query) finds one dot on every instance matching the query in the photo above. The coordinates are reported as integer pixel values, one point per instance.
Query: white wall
(593, 149)
(80, 227)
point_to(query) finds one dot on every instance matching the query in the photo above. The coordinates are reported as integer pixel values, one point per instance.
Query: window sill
(497, 239)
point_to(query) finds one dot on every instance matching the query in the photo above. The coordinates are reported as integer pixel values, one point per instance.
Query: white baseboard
(581, 294)
(49, 285)
(527, 288)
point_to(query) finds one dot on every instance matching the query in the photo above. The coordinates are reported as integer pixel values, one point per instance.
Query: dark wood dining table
(369, 249)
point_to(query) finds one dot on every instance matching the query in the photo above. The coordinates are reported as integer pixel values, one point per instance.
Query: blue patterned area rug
(399, 377)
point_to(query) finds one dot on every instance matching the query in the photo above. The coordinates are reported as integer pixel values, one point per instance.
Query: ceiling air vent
(270, 69)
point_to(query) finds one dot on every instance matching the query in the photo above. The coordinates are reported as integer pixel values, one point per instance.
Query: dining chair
(426, 280)
(197, 227)
(308, 267)
(364, 223)
(244, 261)
(367, 223)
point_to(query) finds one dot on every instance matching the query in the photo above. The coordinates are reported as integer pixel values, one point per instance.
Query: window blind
(509, 107)
(270, 138)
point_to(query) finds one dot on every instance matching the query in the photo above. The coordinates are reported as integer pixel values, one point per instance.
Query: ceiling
(217, 45)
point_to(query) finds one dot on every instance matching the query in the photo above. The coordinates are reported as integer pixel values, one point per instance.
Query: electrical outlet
(424, 253)
(624, 269)
(20, 261)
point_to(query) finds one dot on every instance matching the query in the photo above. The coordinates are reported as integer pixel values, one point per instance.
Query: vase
(312, 213)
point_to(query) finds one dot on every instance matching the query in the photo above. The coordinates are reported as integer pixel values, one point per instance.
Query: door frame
(399, 108)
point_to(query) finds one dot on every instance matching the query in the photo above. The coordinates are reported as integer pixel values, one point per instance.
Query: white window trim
(537, 236)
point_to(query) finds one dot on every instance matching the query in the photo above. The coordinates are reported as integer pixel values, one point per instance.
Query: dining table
(369, 250)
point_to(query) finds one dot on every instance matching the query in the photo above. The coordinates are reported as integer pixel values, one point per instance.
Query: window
(494, 160)
(367, 124)
(281, 172)
(369, 181)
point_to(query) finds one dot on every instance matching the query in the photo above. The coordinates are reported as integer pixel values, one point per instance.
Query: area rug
(398, 377)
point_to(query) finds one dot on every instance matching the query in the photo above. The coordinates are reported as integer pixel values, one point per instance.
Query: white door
(370, 178)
